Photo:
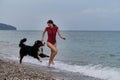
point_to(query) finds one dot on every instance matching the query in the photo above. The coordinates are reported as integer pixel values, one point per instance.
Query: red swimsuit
(52, 34)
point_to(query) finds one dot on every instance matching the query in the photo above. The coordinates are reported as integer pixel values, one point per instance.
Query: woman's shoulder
(56, 27)
(46, 27)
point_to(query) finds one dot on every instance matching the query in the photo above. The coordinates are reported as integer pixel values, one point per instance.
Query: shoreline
(10, 70)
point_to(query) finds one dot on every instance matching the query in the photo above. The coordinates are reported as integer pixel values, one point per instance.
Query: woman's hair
(51, 22)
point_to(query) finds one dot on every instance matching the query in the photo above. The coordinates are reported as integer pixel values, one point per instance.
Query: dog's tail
(22, 42)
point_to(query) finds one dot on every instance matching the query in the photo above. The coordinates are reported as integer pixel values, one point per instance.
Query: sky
(66, 14)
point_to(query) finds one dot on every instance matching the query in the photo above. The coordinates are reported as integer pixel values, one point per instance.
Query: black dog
(35, 51)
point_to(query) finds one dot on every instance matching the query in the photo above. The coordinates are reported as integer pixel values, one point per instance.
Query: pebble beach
(13, 71)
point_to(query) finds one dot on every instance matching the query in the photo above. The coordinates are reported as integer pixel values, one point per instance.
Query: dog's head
(39, 43)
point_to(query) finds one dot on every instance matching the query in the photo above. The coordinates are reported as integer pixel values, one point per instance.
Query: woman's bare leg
(53, 53)
(52, 62)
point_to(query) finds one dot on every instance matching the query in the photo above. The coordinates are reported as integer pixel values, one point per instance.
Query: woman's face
(50, 25)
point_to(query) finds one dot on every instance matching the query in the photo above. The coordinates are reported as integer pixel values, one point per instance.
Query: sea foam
(96, 71)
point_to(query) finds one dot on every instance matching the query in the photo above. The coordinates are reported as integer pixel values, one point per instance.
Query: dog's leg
(42, 55)
(46, 55)
(21, 57)
(39, 59)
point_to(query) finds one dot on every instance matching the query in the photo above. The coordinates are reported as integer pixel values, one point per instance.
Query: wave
(96, 71)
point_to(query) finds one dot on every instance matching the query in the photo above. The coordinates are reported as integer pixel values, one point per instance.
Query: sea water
(91, 53)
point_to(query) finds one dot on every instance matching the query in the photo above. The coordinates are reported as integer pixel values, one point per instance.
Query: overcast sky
(67, 14)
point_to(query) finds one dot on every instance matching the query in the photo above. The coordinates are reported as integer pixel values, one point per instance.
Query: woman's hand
(64, 38)
(60, 35)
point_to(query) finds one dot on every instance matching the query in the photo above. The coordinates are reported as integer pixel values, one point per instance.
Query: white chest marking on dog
(40, 50)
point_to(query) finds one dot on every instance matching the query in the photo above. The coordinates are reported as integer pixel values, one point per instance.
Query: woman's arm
(60, 35)
(43, 34)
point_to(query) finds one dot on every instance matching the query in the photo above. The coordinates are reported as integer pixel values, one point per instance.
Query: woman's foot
(49, 65)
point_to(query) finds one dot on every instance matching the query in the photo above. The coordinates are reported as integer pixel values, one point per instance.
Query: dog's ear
(35, 42)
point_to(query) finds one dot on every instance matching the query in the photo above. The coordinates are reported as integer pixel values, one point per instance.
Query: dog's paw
(40, 61)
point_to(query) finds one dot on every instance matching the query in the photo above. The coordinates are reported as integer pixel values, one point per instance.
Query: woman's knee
(54, 51)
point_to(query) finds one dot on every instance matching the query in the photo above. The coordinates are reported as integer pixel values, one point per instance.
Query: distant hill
(6, 27)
